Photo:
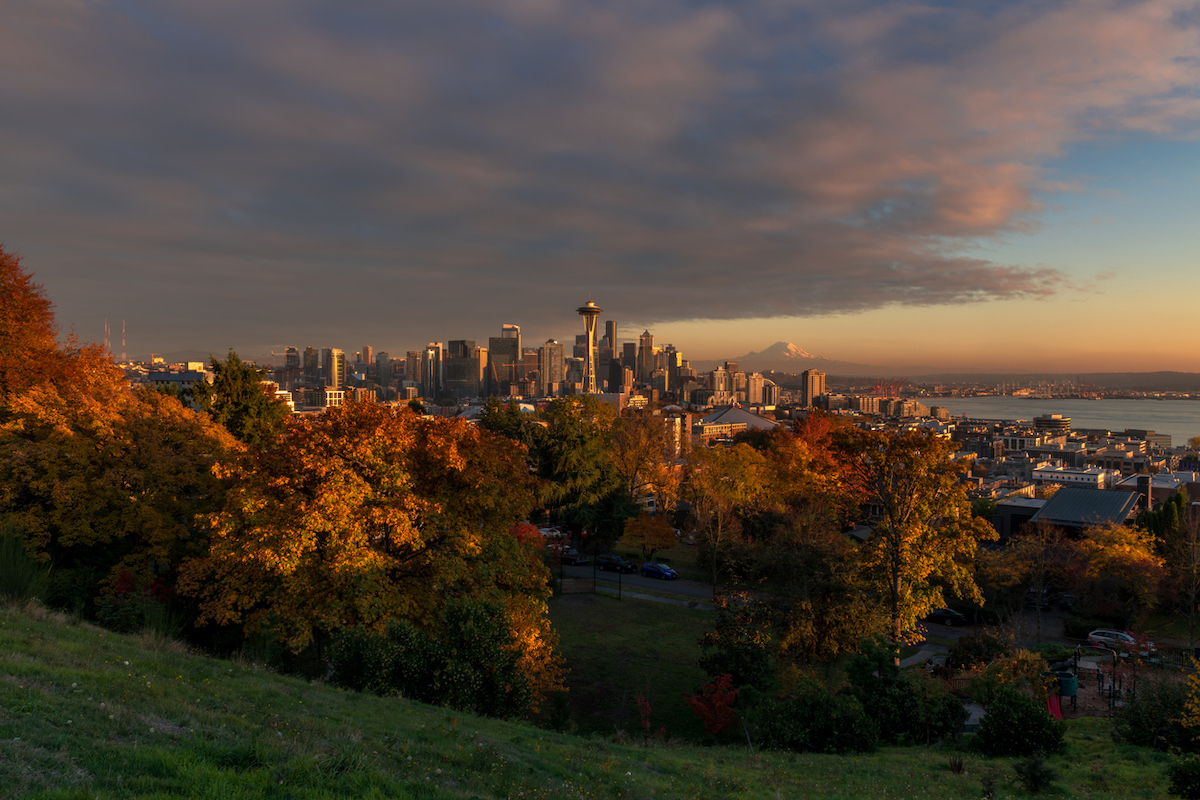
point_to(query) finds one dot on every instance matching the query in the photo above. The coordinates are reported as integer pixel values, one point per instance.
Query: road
(633, 582)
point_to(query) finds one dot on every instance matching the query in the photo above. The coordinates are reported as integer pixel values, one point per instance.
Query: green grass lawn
(618, 649)
(86, 713)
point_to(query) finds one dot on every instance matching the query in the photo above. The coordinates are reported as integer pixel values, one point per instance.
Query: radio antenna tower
(123, 358)
(106, 342)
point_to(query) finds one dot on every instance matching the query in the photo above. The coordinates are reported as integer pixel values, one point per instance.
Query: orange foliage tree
(105, 479)
(369, 514)
(27, 332)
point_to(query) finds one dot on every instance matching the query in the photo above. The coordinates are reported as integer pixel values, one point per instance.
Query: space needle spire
(590, 314)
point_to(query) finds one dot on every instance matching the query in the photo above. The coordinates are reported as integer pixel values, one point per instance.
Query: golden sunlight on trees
(723, 483)
(1035, 558)
(650, 532)
(101, 477)
(925, 527)
(27, 332)
(369, 514)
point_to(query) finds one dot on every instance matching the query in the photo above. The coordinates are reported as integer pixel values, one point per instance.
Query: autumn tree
(370, 514)
(1120, 573)
(28, 348)
(650, 533)
(825, 609)
(1034, 558)
(723, 483)
(107, 482)
(638, 452)
(924, 537)
(1183, 565)
(236, 400)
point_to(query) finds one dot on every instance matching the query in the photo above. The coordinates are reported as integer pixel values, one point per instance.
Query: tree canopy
(236, 400)
(925, 529)
(27, 331)
(364, 515)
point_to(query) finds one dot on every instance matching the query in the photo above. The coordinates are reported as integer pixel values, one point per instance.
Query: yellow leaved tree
(371, 514)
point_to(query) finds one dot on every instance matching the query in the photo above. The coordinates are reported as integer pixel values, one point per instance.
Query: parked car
(1066, 601)
(946, 616)
(615, 563)
(1119, 640)
(571, 556)
(653, 569)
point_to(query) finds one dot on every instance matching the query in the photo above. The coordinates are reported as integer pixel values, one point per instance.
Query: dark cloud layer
(284, 165)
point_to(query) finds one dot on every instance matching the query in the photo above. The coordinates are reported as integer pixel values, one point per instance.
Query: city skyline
(962, 186)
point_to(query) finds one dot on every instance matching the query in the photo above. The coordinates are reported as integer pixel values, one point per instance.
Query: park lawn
(619, 649)
(88, 713)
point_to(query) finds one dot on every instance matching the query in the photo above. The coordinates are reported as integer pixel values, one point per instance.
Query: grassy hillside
(87, 713)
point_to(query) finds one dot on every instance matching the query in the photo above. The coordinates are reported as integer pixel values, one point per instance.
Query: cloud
(448, 162)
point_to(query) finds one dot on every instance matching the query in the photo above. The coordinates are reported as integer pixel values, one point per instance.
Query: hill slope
(85, 712)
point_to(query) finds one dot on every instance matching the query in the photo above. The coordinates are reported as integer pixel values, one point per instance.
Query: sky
(975, 185)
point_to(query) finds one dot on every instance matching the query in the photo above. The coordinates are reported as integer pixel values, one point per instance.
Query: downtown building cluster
(465, 372)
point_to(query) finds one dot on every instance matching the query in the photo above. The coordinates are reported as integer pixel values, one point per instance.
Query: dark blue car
(652, 569)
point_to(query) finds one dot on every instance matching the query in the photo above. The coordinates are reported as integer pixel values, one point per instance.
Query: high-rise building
(755, 383)
(312, 362)
(291, 358)
(335, 369)
(504, 360)
(412, 366)
(462, 369)
(551, 367)
(645, 357)
(813, 386)
(383, 368)
(672, 361)
(431, 371)
(368, 354)
(590, 313)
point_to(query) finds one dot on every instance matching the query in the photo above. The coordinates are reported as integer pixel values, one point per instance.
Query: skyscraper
(335, 369)
(462, 369)
(504, 360)
(813, 386)
(431, 370)
(550, 366)
(590, 313)
(645, 357)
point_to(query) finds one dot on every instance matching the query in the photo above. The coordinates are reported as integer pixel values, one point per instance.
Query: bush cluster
(1017, 725)
(816, 720)
(1184, 774)
(1151, 717)
(982, 649)
(470, 663)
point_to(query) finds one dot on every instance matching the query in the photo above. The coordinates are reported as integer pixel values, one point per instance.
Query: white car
(1119, 640)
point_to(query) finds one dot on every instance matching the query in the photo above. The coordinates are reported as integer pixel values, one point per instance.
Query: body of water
(1179, 418)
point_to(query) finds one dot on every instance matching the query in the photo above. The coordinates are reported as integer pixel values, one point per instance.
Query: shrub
(466, 663)
(741, 643)
(1151, 717)
(1184, 774)
(906, 707)
(136, 611)
(819, 721)
(21, 578)
(982, 649)
(1017, 725)
(1054, 652)
(1035, 774)
(713, 704)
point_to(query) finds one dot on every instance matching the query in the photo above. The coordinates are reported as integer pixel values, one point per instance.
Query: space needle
(590, 313)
